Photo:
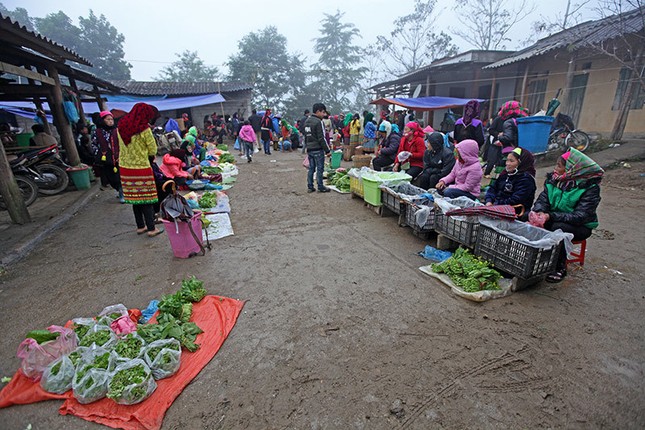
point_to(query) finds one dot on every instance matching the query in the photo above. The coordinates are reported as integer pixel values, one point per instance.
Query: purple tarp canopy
(424, 103)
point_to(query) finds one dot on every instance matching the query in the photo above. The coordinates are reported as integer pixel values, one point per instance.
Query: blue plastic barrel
(533, 133)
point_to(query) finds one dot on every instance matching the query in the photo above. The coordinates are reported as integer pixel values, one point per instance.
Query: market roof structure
(180, 88)
(580, 36)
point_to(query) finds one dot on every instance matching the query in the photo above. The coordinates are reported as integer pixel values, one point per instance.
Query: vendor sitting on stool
(569, 201)
(438, 161)
(465, 179)
(515, 186)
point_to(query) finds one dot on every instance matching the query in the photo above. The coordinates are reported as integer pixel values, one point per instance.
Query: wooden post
(523, 94)
(99, 100)
(491, 103)
(64, 129)
(11, 192)
(567, 85)
(81, 112)
(219, 90)
(426, 114)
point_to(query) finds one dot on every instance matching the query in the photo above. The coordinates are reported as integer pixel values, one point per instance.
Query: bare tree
(548, 25)
(413, 43)
(627, 19)
(488, 23)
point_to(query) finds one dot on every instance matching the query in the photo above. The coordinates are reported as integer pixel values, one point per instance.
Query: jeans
(144, 215)
(267, 146)
(248, 149)
(453, 193)
(316, 164)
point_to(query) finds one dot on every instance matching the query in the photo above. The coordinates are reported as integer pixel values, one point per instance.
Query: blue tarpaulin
(162, 104)
(424, 103)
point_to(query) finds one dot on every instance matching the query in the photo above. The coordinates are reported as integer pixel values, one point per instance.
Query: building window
(537, 90)
(623, 81)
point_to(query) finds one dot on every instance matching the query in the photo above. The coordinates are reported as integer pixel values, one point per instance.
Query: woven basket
(362, 161)
(348, 151)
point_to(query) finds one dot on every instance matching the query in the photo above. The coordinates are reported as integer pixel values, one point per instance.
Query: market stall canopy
(163, 104)
(424, 103)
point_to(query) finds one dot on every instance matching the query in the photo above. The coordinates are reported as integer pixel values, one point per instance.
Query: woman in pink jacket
(173, 165)
(246, 138)
(465, 179)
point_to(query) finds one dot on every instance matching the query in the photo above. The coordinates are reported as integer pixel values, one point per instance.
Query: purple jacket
(466, 176)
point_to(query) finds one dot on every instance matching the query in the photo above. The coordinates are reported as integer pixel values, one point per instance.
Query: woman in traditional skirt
(136, 144)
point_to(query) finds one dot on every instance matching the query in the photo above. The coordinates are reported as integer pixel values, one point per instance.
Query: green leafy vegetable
(98, 337)
(74, 357)
(192, 289)
(226, 158)
(80, 330)
(124, 378)
(42, 336)
(211, 170)
(129, 347)
(56, 368)
(222, 147)
(469, 272)
(208, 200)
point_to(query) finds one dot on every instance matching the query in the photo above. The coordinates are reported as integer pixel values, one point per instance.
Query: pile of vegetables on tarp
(112, 356)
(468, 272)
(339, 179)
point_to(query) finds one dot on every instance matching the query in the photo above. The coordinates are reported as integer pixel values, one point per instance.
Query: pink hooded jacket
(467, 176)
(247, 134)
(172, 167)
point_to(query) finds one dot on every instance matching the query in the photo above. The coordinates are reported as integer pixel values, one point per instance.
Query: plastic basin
(533, 133)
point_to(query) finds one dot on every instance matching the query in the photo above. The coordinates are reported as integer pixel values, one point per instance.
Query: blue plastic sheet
(148, 312)
(434, 254)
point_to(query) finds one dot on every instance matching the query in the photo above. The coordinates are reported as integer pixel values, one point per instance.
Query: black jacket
(315, 135)
(518, 189)
(585, 209)
(390, 145)
(509, 138)
(463, 132)
(438, 163)
(255, 121)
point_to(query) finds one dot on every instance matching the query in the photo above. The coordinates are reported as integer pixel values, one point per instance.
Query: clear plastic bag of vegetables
(129, 347)
(100, 336)
(92, 374)
(131, 383)
(163, 357)
(57, 377)
(110, 313)
(81, 326)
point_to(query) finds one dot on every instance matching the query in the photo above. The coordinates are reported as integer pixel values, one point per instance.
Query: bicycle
(565, 136)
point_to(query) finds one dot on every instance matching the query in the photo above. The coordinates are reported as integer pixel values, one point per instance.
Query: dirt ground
(341, 330)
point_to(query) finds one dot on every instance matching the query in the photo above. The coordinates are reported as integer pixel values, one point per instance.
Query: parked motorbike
(28, 188)
(44, 167)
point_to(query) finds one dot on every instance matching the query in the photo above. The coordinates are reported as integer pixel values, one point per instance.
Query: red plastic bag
(35, 357)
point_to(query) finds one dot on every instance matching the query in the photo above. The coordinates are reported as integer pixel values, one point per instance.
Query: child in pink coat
(246, 138)
(465, 179)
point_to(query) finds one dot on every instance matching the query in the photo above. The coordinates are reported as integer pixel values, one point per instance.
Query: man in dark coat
(438, 161)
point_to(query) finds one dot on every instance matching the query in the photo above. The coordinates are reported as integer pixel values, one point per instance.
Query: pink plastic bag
(305, 162)
(537, 219)
(35, 357)
(122, 326)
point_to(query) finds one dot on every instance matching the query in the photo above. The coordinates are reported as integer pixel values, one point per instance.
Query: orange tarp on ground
(215, 315)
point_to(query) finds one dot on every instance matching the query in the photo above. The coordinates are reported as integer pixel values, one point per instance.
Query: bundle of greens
(208, 200)
(90, 380)
(82, 326)
(131, 383)
(163, 357)
(42, 336)
(176, 305)
(226, 158)
(340, 180)
(129, 347)
(222, 147)
(57, 377)
(99, 337)
(192, 289)
(469, 272)
(211, 170)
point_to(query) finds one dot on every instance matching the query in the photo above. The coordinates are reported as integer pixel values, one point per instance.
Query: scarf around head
(526, 161)
(512, 109)
(192, 131)
(580, 166)
(415, 129)
(471, 111)
(136, 121)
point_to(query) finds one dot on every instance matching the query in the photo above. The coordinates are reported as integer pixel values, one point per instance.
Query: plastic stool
(578, 257)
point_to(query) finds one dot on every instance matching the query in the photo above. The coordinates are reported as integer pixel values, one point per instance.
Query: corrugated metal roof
(585, 34)
(180, 88)
(35, 40)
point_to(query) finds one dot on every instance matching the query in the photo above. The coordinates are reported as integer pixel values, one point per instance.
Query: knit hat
(105, 113)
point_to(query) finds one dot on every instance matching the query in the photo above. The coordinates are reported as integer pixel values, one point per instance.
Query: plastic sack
(434, 254)
(403, 156)
(505, 285)
(35, 358)
(527, 234)
(123, 326)
(110, 313)
(149, 312)
(210, 187)
(118, 347)
(81, 326)
(104, 341)
(237, 144)
(57, 377)
(537, 219)
(133, 393)
(90, 382)
(305, 162)
(168, 359)
(422, 214)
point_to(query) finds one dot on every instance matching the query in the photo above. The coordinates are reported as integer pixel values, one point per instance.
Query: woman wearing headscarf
(388, 146)
(105, 144)
(187, 122)
(509, 113)
(516, 184)
(411, 150)
(569, 202)
(469, 126)
(266, 125)
(136, 144)
(465, 178)
(438, 161)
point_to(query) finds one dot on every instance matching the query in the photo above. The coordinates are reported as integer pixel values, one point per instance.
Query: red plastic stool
(578, 257)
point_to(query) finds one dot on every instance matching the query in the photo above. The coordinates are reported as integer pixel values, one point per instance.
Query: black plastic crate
(391, 200)
(410, 219)
(514, 257)
(464, 232)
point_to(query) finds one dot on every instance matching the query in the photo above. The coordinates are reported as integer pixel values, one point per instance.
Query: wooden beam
(25, 90)
(526, 77)
(81, 113)
(64, 129)
(25, 73)
(11, 192)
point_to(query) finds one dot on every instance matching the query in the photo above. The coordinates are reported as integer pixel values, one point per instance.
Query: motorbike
(28, 188)
(45, 167)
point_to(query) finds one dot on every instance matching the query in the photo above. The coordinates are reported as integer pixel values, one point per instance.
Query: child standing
(247, 137)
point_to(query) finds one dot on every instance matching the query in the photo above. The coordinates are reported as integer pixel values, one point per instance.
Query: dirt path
(342, 331)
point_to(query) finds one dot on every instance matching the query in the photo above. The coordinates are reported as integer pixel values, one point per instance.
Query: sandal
(155, 232)
(141, 230)
(556, 277)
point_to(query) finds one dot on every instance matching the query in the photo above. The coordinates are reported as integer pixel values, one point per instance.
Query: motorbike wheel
(578, 139)
(28, 189)
(59, 179)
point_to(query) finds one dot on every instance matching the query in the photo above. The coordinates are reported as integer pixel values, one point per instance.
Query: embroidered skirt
(138, 186)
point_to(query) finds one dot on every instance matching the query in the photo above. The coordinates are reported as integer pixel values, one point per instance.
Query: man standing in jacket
(255, 121)
(316, 146)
